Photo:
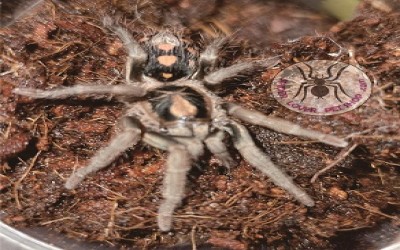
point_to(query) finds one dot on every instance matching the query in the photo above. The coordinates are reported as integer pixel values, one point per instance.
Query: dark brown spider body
(319, 91)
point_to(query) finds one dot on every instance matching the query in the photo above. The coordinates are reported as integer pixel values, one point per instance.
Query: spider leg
(137, 57)
(208, 58)
(311, 71)
(341, 88)
(60, 93)
(252, 154)
(216, 146)
(194, 146)
(105, 156)
(329, 70)
(302, 72)
(235, 70)
(300, 88)
(305, 92)
(335, 91)
(339, 72)
(178, 165)
(281, 125)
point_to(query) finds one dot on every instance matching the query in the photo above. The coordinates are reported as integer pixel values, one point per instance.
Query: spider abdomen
(175, 103)
(319, 91)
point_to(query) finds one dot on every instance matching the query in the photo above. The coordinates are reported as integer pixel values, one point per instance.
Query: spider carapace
(169, 58)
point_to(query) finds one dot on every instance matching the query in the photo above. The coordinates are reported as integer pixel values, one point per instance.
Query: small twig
(34, 120)
(43, 143)
(57, 220)
(136, 226)
(194, 216)
(359, 194)
(391, 98)
(81, 52)
(137, 208)
(59, 50)
(58, 174)
(378, 137)
(97, 26)
(295, 142)
(375, 210)
(258, 217)
(389, 163)
(120, 196)
(234, 198)
(342, 155)
(73, 205)
(111, 223)
(383, 87)
(352, 229)
(193, 237)
(360, 134)
(277, 218)
(59, 147)
(18, 182)
(379, 173)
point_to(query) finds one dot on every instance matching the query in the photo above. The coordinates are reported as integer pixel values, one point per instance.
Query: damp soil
(42, 142)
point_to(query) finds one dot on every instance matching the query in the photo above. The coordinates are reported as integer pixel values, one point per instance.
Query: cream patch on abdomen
(181, 107)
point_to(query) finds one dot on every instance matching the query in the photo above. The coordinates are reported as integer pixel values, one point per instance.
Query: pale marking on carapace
(167, 75)
(167, 60)
(165, 46)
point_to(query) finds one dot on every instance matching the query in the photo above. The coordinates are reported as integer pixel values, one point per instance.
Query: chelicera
(169, 105)
(318, 86)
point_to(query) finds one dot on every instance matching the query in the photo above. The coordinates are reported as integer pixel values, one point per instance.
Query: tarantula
(319, 85)
(170, 107)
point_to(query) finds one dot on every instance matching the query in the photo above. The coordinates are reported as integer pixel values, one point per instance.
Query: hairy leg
(208, 58)
(178, 165)
(137, 57)
(105, 156)
(235, 70)
(95, 90)
(194, 146)
(245, 144)
(281, 125)
(217, 147)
